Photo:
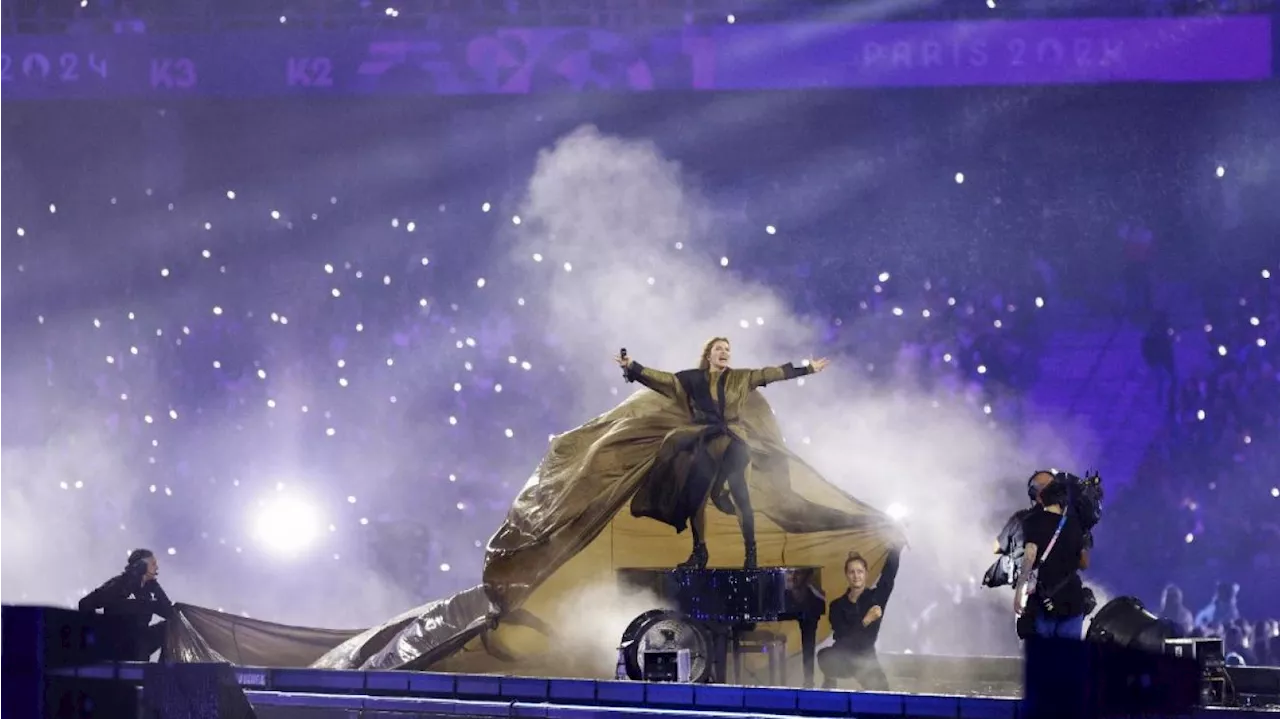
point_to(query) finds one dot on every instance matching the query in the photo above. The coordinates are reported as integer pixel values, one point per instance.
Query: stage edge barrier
(470, 695)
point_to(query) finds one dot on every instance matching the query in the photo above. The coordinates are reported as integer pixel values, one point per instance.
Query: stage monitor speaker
(1125, 622)
(1067, 679)
(42, 638)
(193, 691)
(32, 696)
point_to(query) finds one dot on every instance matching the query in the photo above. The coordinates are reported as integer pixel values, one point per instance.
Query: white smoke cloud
(590, 623)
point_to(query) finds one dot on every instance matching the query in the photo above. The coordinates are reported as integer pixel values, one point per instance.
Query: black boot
(750, 561)
(698, 559)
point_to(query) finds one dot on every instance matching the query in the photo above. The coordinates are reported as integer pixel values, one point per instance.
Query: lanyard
(1054, 539)
(1033, 578)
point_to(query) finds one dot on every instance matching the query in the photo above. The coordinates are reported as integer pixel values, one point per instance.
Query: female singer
(708, 458)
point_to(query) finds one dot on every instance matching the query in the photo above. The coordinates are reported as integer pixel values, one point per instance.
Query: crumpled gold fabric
(570, 528)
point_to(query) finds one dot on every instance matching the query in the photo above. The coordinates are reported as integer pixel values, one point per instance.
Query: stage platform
(328, 694)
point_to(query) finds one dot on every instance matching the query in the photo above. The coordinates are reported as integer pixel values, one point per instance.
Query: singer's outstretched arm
(762, 377)
(769, 375)
(664, 383)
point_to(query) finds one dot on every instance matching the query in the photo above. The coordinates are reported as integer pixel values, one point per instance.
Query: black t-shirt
(1059, 575)
(846, 616)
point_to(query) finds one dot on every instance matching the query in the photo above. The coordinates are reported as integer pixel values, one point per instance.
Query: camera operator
(135, 596)
(1049, 592)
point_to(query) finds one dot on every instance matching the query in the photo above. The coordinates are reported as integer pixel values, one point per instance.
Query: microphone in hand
(623, 361)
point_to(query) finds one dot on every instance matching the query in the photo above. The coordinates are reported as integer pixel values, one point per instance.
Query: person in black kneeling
(855, 621)
(135, 596)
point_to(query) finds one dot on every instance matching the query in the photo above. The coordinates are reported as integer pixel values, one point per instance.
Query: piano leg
(719, 656)
(736, 651)
(808, 647)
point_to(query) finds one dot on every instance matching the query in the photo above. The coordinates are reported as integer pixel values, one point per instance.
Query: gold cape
(569, 529)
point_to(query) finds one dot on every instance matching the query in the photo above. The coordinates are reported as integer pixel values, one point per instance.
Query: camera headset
(1033, 492)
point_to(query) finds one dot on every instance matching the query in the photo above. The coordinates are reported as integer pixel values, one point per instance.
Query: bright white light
(1222, 351)
(959, 178)
(1275, 491)
(731, 19)
(1221, 171)
(480, 282)
(231, 194)
(286, 525)
(515, 220)
(897, 511)
(485, 207)
(724, 261)
(1189, 538)
(771, 229)
(275, 214)
(991, 4)
(884, 277)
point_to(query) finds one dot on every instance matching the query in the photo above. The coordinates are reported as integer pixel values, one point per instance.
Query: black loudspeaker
(193, 691)
(1092, 680)
(42, 638)
(38, 640)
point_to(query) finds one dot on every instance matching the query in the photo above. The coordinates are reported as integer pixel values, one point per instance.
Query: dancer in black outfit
(136, 596)
(855, 621)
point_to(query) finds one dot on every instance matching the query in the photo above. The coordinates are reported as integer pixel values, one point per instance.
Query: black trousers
(147, 641)
(837, 663)
(733, 473)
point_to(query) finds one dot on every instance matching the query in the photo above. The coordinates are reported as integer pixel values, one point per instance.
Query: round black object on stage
(1125, 622)
(664, 629)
